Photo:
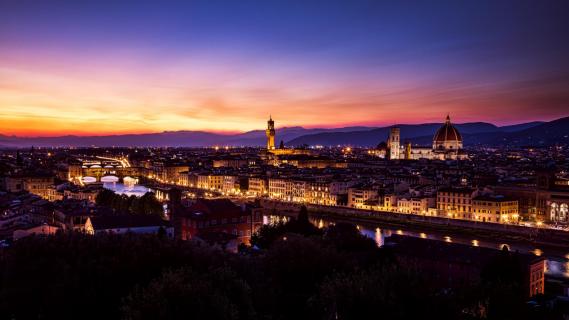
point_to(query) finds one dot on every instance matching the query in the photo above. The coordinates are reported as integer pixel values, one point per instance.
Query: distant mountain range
(415, 133)
(168, 138)
(474, 133)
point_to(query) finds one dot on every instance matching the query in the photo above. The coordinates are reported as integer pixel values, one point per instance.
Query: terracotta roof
(495, 198)
(456, 190)
(447, 133)
(214, 208)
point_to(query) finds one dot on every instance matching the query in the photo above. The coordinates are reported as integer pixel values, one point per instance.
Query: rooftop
(126, 221)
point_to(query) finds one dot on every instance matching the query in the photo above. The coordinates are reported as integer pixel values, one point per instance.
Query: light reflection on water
(120, 188)
(554, 265)
(502, 245)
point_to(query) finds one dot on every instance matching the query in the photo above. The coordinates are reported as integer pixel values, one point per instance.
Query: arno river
(557, 262)
(557, 265)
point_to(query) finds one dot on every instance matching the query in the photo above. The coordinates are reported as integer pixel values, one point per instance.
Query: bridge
(99, 173)
(104, 168)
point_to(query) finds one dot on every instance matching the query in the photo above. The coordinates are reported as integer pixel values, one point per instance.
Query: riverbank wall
(558, 238)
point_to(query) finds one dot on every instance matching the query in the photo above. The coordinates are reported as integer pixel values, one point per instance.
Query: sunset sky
(101, 67)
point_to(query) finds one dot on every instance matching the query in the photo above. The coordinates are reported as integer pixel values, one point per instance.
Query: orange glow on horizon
(44, 93)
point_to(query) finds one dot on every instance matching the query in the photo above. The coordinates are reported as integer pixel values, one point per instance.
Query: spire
(448, 119)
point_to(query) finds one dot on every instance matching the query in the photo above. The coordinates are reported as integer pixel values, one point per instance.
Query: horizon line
(237, 132)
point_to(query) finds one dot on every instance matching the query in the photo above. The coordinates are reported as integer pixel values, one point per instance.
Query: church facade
(447, 145)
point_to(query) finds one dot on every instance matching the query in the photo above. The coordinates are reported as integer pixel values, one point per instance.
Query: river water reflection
(129, 190)
(557, 266)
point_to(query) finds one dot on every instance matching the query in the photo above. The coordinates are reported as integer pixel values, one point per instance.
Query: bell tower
(270, 134)
(393, 143)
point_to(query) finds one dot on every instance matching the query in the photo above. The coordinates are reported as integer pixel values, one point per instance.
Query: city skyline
(98, 69)
(284, 159)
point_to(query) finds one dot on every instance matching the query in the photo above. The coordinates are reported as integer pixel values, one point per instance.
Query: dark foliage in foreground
(312, 275)
(121, 203)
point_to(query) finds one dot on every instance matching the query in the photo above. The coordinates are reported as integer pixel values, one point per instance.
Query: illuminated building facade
(230, 185)
(497, 209)
(318, 192)
(553, 197)
(359, 197)
(447, 145)
(278, 188)
(415, 205)
(456, 203)
(273, 152)
(257, 186)
(393, 144)
(270, 132)
(210, 181)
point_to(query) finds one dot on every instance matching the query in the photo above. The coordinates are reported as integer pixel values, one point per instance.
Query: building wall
(455, 204)
(357, 197)
(495, 211)
(243, 226)
(230, 185)
(537, 278)
(389, 202)
(171, 174)
(319, 193)
(393, 144)
(557, 211)
(230, 163)
(257, 186)
(210, 182)
(183, 179)
(277, 188)
(87, 195)
(415, 205)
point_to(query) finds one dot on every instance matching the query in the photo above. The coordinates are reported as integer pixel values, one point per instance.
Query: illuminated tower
(393, 143)
(270, 134)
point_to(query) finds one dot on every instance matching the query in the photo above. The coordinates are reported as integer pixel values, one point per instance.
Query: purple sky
(99, 67)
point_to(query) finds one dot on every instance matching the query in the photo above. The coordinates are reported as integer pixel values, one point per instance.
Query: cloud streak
(227, 66)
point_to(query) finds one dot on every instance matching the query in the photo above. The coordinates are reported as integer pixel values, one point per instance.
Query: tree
(70, 276)
(267, 234)
(185, 293)
(302, 224)
(502, 285)
(105, 198)
(150, 205)
(147, 204)
(294, 268)
(385, 291)
(346, 236)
